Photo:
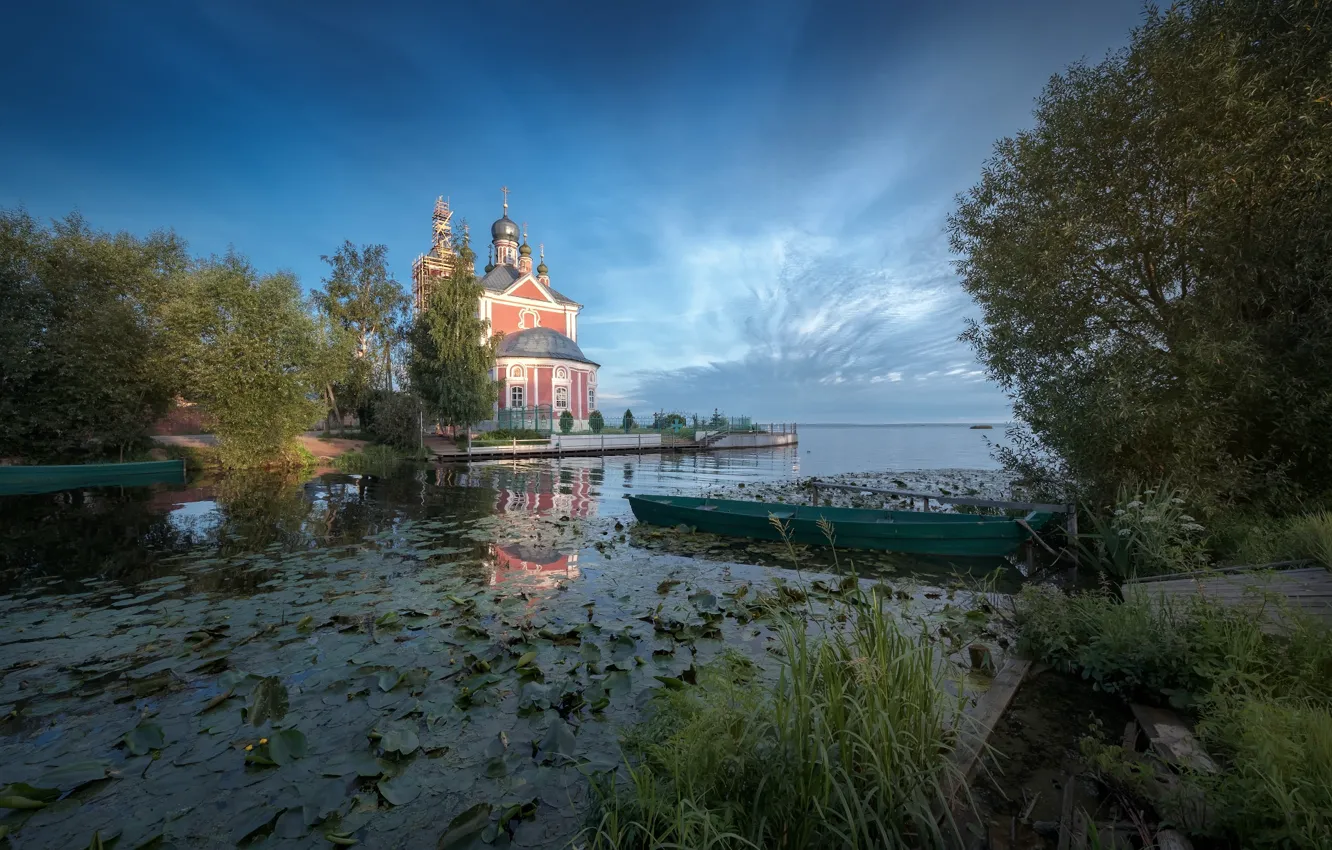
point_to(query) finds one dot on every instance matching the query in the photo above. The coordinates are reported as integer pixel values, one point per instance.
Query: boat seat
(707, 507)
(782, 514)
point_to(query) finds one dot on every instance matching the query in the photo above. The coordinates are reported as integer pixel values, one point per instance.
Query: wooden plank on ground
(978, 722)
(1171, 738)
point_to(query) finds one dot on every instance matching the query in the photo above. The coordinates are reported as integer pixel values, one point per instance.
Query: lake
(281, 657)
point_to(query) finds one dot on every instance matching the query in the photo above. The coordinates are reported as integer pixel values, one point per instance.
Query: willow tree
(1152, 258)
(84, 358)
(452, 349)
(253, 356)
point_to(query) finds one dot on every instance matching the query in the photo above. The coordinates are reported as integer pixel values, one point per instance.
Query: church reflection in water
(560, 492)
(531, 564)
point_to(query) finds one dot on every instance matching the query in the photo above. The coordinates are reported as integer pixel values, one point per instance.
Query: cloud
(823, 337)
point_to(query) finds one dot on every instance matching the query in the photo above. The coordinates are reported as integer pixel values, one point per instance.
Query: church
(538, 363)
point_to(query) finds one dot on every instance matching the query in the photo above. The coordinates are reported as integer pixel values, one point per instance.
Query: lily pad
(401, 741)
(399, 790)
(144, 738)
(286, 745)
(268, 701)
(466, 828)
(557, 745)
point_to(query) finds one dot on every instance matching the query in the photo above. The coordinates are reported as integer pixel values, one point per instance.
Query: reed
(847, 749)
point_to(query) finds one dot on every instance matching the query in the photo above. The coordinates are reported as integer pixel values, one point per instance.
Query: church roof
(541, 342)
(503, 276)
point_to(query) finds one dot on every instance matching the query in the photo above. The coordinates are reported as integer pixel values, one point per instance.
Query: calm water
(392, 613)
(832, 449)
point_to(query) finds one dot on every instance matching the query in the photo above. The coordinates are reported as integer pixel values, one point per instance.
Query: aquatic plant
(374, 459)
(1147, 531)
(847, 749)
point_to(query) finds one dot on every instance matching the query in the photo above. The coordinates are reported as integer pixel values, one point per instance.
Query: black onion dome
(505, 228)
(541, 342)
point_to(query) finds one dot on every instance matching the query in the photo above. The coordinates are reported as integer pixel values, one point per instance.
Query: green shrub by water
(1262, 694)
(847, 749)
(375, 460)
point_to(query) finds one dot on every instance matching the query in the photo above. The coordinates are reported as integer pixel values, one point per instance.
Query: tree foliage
(596, 421)
(452, 349)
(566, 422)
(360, 297)
(253, 357)
(1152, 258)
(396, 420)
(84, 367)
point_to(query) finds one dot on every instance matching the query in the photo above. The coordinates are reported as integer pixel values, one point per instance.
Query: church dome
(525, 249)
(541, 269)
(541, 343)
(506, 228)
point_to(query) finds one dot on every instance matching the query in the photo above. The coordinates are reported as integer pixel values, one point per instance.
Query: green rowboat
(18, 480)
(910, 532)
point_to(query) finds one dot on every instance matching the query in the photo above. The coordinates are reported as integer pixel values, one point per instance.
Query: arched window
(516, 396)
(562, 374)
(516, 372)
(591, 398)
(529, 318)
(561, 398)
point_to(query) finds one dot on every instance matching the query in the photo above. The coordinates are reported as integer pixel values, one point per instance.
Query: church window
(591, 399)
(529, 318)
(561, 398)
(516, 396)
(516, 372)
(561, 374)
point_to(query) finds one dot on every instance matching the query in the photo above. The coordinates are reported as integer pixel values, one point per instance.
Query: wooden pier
(1300, 585)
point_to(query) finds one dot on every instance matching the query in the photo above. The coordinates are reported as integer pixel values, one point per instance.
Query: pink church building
(538, 362)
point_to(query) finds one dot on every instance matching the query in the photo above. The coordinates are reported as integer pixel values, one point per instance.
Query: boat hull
(20, 480)
(908, 532)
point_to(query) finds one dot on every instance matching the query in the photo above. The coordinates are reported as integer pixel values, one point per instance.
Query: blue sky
(748, 197)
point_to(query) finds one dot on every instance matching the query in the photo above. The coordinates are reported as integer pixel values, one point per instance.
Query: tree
(397, 421)
(566, 422)
(253, 357)
(1152, 259)
(452, 349)
(628, 421)
(84, 366)
(359, 296)
(596, 421)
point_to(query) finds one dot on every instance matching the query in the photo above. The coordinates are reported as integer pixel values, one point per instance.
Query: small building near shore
(538, 363)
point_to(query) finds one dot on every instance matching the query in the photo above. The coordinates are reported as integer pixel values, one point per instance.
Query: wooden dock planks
(1307, 589)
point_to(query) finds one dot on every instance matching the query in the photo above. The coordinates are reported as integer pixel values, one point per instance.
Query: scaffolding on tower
(437, 263)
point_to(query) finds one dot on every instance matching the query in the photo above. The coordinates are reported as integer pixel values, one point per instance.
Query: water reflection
(531, 565)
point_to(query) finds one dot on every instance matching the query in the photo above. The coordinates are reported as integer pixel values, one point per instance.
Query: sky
(749, 198)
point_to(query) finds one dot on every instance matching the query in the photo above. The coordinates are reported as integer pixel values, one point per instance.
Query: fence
(539, 418)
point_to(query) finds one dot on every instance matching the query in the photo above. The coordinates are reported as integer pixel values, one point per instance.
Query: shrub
(566, 422)
(396, 421)
(628, 421)
(596, 422)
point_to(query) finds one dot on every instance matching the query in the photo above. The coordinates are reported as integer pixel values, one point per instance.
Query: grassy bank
(1261, 699)
(377, 459)
(846, 749)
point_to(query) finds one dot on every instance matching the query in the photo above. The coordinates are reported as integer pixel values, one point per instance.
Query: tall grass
(1148, 531)
(374, 459)
(847, 749)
